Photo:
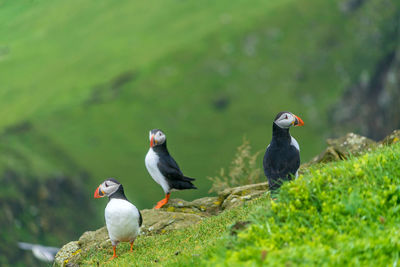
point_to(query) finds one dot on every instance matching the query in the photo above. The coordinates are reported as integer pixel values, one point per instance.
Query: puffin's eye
(106, 184)
(286, 117)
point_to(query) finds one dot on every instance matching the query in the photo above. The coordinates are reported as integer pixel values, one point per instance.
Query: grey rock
(66, 253)
(156, 221)
(341, 148)
(236, 196)
(205, 206)
(97, 238)
(392, 138)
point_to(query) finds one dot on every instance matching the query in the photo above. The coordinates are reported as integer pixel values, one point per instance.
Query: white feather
(151, 162)
(295, 144)
(122, 220)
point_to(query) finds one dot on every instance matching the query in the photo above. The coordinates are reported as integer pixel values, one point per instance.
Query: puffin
(163, 168)
(123, 219)
(282, 156)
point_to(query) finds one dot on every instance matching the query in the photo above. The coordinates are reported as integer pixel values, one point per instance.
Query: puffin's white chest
(294, 143)
(151, 162)
(122, 220)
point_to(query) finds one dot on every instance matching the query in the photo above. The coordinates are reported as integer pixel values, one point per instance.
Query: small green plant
(243, 170)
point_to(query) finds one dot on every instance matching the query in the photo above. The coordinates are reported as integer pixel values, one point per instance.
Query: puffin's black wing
(140, 218)
(280, 165)
(170, 169)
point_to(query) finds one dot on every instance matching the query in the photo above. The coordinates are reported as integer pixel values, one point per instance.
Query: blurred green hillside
(82, 82)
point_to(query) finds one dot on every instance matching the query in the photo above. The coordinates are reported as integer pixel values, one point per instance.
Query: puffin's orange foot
(114, 254)
(162, 202)
(113, 257)
(131, 247)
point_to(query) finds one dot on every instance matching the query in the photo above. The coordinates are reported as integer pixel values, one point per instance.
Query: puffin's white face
(157, 137)
(287, 119)
(107, 188)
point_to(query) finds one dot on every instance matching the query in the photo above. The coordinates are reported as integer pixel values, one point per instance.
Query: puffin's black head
(157, 137)
(285, 119)
(107, 188)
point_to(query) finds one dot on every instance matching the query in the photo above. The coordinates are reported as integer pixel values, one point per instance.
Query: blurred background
(83, 82)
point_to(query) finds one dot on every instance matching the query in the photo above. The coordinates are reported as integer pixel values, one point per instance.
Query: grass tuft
(243, 170)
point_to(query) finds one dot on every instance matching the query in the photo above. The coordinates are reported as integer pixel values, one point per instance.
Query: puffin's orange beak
(152, 141)
(98, 193)
(298, 121)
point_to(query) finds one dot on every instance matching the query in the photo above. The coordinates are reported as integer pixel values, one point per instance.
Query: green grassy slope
(94, 77)
(343, 213)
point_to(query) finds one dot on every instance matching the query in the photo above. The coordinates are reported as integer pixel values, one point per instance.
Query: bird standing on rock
(282, 157)
(163, 168)
(123, 219)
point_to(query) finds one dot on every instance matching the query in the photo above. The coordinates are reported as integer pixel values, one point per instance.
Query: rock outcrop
(351, 144)
(341, 148)
(392, 138)
(205, 206)
(160, 221)
(233, 197)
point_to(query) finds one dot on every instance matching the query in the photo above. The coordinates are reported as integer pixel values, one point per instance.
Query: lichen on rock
(205, 206)
(158, 221)
(66, 253)
(341, 148)
(233, 197)
(392, 138)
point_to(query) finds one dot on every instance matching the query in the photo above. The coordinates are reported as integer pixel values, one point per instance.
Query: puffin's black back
(281, 159)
